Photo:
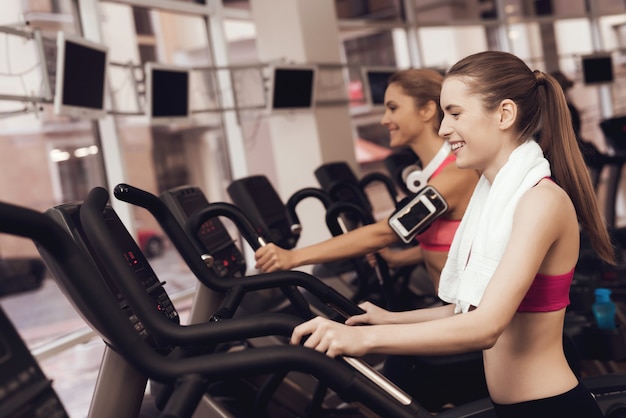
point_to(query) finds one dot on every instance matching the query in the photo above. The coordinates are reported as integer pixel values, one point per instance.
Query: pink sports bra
(438, 236)
(547, 293)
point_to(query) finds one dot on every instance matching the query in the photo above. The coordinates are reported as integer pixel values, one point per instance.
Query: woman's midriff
(527, 361)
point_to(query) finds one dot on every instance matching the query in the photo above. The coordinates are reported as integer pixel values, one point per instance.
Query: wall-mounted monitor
(375, 81)
(167, 93)
(80, 85)
(292, 87)
(597, 69)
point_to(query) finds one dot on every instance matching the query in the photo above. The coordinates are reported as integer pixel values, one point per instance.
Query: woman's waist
(523, 385)
(535, 368)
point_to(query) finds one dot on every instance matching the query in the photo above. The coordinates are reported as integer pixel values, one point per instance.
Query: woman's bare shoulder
(547, 202)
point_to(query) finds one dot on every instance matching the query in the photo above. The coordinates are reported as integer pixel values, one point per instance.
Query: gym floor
(44, 315)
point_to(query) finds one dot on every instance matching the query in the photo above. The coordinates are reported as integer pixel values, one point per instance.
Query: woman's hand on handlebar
(330, 337)
(334, 338)
(270, 258)
(374, 315)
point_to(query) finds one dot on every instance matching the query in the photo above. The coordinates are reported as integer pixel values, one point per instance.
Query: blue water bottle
(604, 309)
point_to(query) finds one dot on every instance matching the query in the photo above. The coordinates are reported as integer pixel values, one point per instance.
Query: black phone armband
(413, 217)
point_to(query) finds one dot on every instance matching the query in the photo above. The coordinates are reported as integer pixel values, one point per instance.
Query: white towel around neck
(486, 227)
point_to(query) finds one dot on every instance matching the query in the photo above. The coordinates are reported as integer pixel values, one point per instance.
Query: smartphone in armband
(415, 216)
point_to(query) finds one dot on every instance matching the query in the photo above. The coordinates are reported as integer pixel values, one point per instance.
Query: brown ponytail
(568, 167)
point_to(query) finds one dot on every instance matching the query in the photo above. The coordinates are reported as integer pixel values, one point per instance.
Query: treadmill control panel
(67, 215)
(228, 261)
(258, 199)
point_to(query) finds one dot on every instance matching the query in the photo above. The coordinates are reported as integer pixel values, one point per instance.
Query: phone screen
(415, 216)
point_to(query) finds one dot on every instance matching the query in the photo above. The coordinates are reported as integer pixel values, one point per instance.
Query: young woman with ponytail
(510, 265)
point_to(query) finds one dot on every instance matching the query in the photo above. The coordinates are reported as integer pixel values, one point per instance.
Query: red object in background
(368, 152)
(150, 243)
(355, 92)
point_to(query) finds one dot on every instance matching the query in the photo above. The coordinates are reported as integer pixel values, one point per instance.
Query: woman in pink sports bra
(517, 245)
(412, 116)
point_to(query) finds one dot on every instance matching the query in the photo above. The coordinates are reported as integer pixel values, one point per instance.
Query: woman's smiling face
(402, 117)
(470, 130)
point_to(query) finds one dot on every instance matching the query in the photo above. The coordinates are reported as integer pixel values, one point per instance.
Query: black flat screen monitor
(167, 93)
(292, 87)
(376, 81)
(81, 69)
(597, 69)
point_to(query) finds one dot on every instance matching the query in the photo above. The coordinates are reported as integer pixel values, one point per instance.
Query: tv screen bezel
(149, 69)
(367, 88)
(61, 107)
(273, 87)
(594, 57)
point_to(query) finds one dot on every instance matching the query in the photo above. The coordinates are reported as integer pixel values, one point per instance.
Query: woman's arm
(375, 315)
(402, 257)
(358, 242)
(533, 235)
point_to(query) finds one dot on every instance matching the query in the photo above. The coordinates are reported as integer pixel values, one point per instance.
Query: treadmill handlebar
(230, 211)
(120, 333)
(187, 245)
(296, 198)
(143, 304)
(336, 209)
(373, 177)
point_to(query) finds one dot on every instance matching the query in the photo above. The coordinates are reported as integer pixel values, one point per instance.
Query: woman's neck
(427, 148)
(499, 160)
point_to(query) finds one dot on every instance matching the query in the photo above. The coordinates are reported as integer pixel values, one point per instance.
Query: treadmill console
(340, 183)
(258, 199)
(329, 174)
(228, 261)
(67, 215)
